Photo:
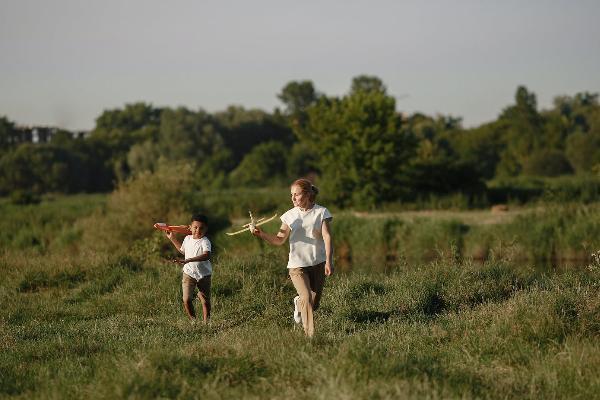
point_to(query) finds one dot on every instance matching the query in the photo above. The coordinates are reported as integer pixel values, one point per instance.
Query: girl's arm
(277, 240)
(327, 238)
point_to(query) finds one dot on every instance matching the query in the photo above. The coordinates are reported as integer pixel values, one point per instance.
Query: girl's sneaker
(297, 315)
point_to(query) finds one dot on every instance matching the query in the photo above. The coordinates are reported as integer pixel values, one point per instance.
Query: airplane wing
(262, 221)
(257, 221)
(236, 232)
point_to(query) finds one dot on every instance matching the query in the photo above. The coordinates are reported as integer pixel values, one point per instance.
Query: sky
(63, 62)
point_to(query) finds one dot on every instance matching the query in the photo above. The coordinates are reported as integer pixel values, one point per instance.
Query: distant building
(43, 134)
(80, 134)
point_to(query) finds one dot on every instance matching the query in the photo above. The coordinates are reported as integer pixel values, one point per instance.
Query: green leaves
(359, 144)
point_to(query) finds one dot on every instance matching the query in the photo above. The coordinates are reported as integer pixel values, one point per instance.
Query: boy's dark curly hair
(200, 218)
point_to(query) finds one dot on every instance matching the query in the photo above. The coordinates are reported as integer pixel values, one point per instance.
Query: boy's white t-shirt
(193, 248)
(307, 246)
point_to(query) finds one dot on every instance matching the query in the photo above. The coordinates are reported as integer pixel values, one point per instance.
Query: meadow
(91, 309)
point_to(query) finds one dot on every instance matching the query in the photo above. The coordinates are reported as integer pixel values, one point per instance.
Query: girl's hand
(328, 269)
(169, 234)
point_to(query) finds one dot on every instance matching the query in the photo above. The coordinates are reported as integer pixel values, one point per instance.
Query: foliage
(298, 96)
(547, 162)
(44, 168)
(367, 83)
(359, 145)
(9, 135)
(264, 164)
(168, 195)
(565, 189)
(242, 129)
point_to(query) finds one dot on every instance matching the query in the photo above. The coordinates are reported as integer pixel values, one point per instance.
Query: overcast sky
(63, 62)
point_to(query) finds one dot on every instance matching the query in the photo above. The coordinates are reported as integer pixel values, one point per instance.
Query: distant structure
(43, 134)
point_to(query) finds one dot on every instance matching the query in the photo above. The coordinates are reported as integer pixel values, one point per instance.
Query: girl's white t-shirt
(192, 248)
(307, 246)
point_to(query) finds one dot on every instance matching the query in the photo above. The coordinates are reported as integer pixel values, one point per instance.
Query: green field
(78, 320)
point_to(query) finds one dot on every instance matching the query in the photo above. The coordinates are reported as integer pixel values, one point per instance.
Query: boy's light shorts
(188, 284)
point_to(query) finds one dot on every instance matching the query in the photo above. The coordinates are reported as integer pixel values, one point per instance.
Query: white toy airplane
(252, 224)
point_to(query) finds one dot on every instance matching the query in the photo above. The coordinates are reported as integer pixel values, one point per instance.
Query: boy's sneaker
(297, 315)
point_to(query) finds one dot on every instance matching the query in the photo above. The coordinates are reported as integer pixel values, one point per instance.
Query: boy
(197, 269)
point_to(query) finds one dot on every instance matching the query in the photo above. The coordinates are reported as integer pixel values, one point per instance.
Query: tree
(367, 83)
(524, 133)
(143, 157)
(243, 129)
(213, 171)
(298, 96)
(359, 145)
(62, 138)
(130, 119)
(188, 135)
(264, 164)
(8, 134)
(302, 161)
(120, 129)
(480, 147)
(547, 162)
(583, 151)
(42, 168)
(437, 166)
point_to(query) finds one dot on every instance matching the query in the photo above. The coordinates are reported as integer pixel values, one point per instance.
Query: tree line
(361, 149)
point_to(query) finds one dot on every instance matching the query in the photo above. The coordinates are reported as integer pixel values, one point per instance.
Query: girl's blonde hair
(307, 187)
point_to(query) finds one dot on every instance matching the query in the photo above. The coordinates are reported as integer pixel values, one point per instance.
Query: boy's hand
(169, 234)
(256, 231)
(178, 261)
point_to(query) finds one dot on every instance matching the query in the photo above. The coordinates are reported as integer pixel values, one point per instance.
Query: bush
(23, 197)
(547, 162)
(164, 196)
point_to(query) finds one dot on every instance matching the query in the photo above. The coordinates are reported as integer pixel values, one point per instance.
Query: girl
(308, 226)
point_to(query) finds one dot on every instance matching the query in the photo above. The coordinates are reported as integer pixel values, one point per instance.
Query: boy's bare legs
(204, 297)
(205, 312)
(189, 309)
(188, 284)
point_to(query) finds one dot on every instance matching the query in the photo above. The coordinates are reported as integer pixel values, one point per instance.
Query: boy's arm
(175, 241)
(203, 257)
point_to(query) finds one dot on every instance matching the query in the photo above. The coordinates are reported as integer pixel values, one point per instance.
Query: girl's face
(299, 198)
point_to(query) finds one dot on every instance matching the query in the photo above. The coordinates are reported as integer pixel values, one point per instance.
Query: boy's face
(198, 229)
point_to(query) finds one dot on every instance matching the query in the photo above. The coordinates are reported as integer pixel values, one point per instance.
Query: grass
(115, 328)
(53, 224)
(77, 321)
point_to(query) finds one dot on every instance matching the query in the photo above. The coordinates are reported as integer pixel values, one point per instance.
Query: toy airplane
(173, 228)
(252, 224)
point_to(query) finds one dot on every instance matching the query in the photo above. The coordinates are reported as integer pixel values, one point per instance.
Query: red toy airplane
(173, 228)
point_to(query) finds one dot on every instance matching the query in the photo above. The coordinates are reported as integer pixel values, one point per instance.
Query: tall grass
(114, 327)
(52, 224)
(104, 320)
